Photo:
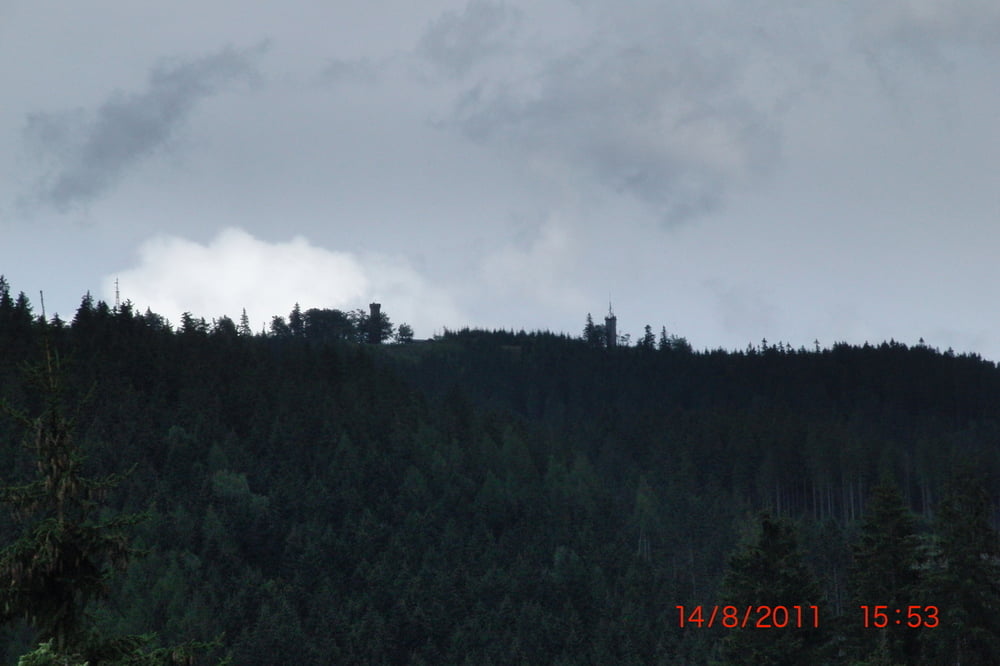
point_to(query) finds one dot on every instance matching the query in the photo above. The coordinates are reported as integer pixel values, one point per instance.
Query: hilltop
(498, 497)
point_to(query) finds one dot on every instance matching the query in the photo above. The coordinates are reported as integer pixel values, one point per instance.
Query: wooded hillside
(499, 497)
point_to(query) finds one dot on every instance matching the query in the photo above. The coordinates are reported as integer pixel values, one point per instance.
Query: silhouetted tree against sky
(296, 322)
(593, 334)
(404, 333)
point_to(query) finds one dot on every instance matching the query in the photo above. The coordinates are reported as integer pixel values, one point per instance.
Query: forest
(333, 491)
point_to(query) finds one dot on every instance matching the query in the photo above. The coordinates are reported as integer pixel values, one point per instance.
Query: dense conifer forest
(327, 492)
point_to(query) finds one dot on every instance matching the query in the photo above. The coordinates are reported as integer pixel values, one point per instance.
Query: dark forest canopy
(511, 497)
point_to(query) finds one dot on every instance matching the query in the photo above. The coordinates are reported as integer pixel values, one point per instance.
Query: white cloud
(236, 271)
(544, 272)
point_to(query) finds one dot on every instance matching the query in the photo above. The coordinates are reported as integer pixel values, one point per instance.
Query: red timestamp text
(755, 617)
(915, 617)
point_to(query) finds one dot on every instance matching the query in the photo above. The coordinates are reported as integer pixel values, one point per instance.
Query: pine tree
(66, 551)
(189, 325)
(769, 572)
(21, 315)
(296, 322)
(243, 329)
(964, 577)
(6, 303)
(593, 334)
(279, 329)
(885, 571)
(224, 327)
(85, 313)
(648, 341)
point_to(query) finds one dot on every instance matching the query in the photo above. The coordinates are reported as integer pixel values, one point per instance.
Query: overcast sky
(730, 169)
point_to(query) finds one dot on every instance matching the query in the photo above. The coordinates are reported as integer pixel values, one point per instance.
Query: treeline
(316, 324)
(502, 497)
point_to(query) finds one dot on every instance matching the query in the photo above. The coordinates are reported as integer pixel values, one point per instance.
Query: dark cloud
(669, 128)
(926, 27)
(938, 37)
(457, 41)
(85, 158)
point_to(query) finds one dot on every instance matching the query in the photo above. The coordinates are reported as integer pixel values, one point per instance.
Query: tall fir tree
(67, 550)
(296, 322)
(769, 572)
(648, 341)
(6, 302)
(886, 571)
(963, 577)
(593, 334)
(243, 330)
(69, 547)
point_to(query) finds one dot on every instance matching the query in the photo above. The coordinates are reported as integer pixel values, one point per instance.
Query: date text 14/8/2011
(754, 617)
(910, 616)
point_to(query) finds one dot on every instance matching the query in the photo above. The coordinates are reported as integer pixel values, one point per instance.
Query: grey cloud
(88, 158)
(935, 35)
(927, 26)
(742, 309)
(456, 42)
(666, 127)
(361, 70)
(56, 134)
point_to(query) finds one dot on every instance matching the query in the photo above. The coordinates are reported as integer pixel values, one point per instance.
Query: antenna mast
(117, 299)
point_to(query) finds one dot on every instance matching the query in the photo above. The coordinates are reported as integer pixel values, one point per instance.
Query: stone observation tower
(375, 323)
(611, 327)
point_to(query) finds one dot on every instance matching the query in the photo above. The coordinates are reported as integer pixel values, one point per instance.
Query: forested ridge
(305, 495)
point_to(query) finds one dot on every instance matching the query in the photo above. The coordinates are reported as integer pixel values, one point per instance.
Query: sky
(732, 170)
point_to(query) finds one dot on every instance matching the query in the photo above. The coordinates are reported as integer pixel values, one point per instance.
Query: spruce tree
(648, 341)
(244, 327)
(296, 322)
(963, 578)
(594, 334)
(279, 329)
(885, 571)
(769, 572)
(66, 551)
(6, 302)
